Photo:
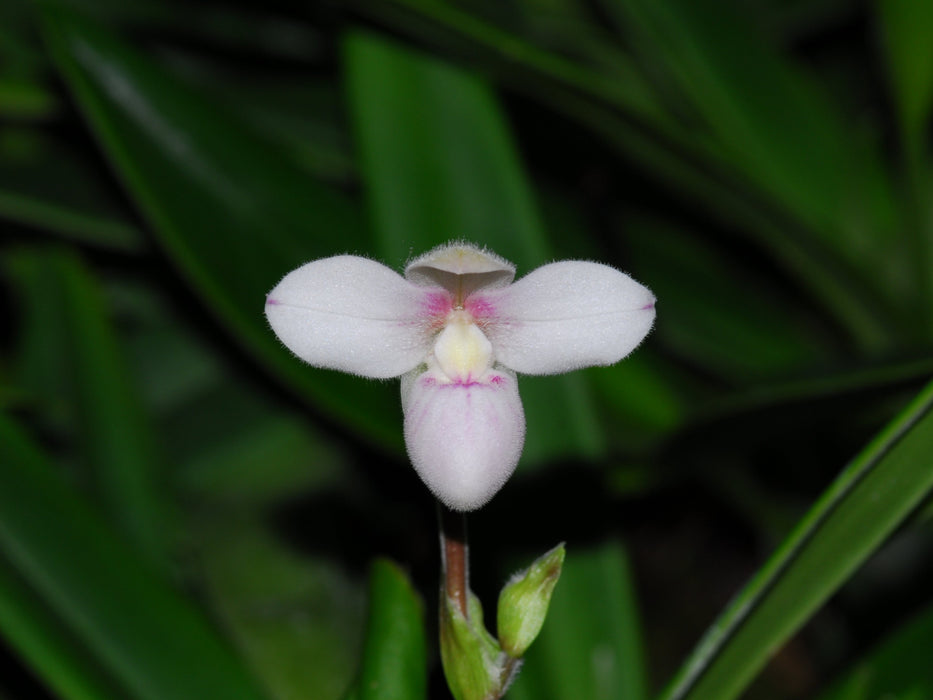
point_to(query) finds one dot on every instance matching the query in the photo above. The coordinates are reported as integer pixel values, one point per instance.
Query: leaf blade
(905, 28)
(394, 653)
(46, 645)
(151, 639)
(120, 441)
(849, 521)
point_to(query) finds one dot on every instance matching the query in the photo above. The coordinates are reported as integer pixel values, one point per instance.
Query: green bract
(473, 660)
(524, 602)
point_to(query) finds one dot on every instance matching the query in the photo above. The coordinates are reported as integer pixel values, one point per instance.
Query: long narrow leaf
(50, 185)
(394, 653)
(720, 314)
(152, 640)
(778, 128)
(296, 617)
(119, 438)
(849, 522)
(72, 364)
(67, 222)
(44, 643)
(905, 28)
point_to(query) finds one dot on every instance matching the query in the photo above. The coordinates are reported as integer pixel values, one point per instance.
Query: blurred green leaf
(394, 665)
(115, 11)
(260, 32)
(518, 60)
(153, 641)
(846, 385)
(302, 114)
(795, 18)
(906, 27)
(25, 99)
(68, 223)
(40, 368)
(236, 448)
(439, 165)
(226, 440)
(590, 645)
(744, 104)
(20, 55)
(72, 364)
(236, 453)
(46, 644)
(721, 312)
(625, 109)
(898, 668)
(645, 394)
(438, 160)
(784, 134)
(233, 212)
(117, 434)
(45, 183)
(295, 618)
(849, 522)
(172, 360)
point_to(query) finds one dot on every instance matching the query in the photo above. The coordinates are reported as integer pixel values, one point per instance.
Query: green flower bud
(524, 601)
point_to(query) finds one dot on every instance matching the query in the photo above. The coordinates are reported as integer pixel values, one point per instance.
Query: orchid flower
(456, 329)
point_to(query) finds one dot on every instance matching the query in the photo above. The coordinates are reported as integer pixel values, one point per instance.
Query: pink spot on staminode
(271, 302)
(497, 380)
(648, 307)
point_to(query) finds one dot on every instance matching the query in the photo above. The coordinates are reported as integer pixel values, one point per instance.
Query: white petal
(568, 315)
(464, 439)
(351, 314)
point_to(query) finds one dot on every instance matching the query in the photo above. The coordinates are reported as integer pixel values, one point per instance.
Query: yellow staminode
(463, 352)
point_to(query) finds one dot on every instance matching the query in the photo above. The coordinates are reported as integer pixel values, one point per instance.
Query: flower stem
(454, 555)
